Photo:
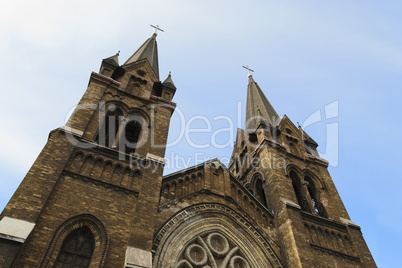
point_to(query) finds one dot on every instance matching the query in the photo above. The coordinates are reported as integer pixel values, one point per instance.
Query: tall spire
(149, 51)
(258, 109)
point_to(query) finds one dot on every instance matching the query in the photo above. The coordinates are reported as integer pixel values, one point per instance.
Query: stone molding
(15, 229)
(349, 222)
(290, 203)
(198, 219)
(136, 257)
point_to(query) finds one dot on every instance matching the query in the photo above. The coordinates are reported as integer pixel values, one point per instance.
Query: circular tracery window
(212, 250)
(216, 244)
(196, 255)
(238, 262)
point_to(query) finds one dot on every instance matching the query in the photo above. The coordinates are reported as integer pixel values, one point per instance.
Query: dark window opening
(297, 186)
(118, 74)
(157, 90)
(77, 249)
(318, 206)
(260, 192)
(132, 134)
(108, 129)
(252, 137)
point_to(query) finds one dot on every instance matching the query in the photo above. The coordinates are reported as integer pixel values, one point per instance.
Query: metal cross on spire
(156, 29)
(248, 69)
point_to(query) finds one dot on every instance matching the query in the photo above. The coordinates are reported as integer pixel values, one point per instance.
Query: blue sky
(306, 55)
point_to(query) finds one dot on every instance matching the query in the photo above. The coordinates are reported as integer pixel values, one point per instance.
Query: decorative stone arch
(107, 170)
(76, 161)
(139, 111)
(255, 175)
(137, 174)
(118, 104)
(173, 190)
(165, 190)
(183, 231)
(97, 168)
(296, 169)
(317, 181)
(180, 187)
(193, 183)
(87, 165)
(84, 220)
(314, 189)
(186, 186)
(298, 184)
(248, 186)
(259, 188)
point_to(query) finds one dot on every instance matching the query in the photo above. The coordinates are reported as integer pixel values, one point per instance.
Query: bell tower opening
(132, 133)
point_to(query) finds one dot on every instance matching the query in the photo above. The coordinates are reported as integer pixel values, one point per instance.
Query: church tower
(91, 196)
(278, 163)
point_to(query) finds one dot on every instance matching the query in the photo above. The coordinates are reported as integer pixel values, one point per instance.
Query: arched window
(132, 134)
(318, 206)
(259, 191)
(77, 249)
(108, 129)
(237, 166)
(298, 188)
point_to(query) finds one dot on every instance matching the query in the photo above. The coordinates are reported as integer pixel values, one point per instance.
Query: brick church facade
(96, 195)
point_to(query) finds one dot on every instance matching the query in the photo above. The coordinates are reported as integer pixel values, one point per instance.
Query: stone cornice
(104, 80)
(323, 221)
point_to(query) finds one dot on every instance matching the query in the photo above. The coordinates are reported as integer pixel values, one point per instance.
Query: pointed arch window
(120, 132)
(317, 205)
(298, 189)
(259, 191)
(108, 130)
(237, 166)
(77, 249)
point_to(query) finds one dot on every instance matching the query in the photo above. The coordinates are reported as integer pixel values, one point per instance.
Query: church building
(96, 195)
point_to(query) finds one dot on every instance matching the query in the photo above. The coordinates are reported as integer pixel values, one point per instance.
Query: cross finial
(248, 69)
(156, 29)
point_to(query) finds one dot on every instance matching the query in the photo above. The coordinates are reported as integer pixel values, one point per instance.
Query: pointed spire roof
(149, 51)
(169, 82)
(113, 60)
(258, 109)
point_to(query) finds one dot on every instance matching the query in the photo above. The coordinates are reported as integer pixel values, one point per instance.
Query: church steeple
(149, 51)
(258, 109)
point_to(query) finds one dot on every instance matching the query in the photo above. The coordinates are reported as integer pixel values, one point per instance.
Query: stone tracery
(212, 250)
(216, 229)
